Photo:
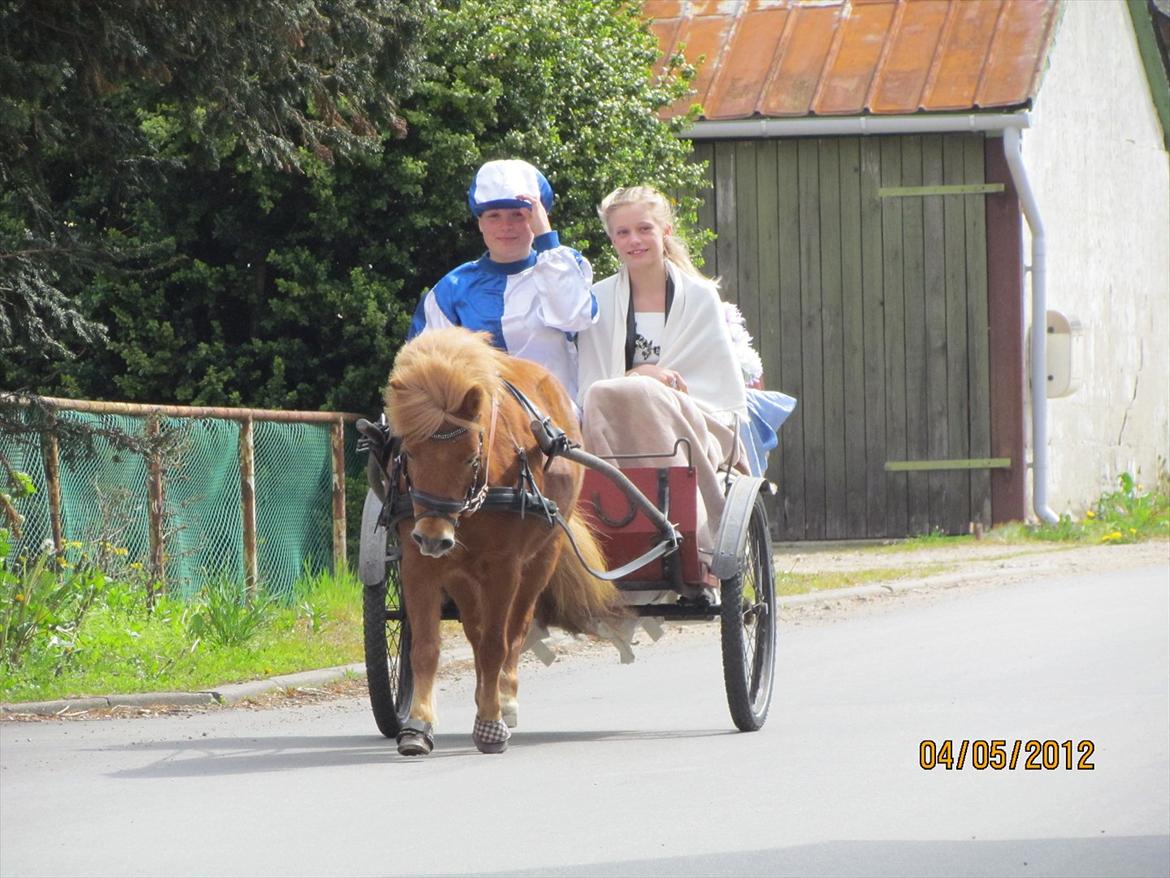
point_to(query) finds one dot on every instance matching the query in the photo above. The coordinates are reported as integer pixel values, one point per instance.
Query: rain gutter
(1009, 125)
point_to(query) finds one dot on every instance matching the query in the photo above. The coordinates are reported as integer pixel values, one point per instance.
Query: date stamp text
(998, 754)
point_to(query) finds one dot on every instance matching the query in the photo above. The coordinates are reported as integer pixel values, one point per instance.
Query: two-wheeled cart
(648, 517)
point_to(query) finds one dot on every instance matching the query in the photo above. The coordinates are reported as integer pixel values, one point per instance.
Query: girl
(659, 364)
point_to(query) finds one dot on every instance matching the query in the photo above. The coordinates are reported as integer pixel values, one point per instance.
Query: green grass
(119, 647)
(1130, 514)
(788, 584)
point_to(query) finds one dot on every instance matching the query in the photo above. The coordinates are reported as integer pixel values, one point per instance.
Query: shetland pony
(462, 431)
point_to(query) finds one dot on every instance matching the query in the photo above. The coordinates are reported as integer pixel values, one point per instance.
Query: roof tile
(832, 57)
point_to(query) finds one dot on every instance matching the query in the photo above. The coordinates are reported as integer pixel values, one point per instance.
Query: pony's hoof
(416, 738)
(490, 735)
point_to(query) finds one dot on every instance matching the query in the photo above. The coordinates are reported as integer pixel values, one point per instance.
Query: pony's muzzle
(434, 545)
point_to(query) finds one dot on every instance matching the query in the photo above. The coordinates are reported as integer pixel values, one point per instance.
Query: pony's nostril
(417, 539)
(446, 544)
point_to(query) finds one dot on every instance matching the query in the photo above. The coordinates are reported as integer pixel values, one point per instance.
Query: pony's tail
(575, 599)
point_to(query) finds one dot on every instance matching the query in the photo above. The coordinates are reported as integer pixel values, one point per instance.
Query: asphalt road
(635, 770)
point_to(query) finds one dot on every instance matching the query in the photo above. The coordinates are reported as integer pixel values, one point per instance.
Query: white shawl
(695, 342)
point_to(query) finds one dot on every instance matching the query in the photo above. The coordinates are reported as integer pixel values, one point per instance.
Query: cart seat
(625, 531)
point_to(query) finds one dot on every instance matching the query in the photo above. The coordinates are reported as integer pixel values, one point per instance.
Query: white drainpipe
(1009, 125)
(1039, 341)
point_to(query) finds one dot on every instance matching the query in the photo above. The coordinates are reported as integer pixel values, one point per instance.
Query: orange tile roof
(854, 57)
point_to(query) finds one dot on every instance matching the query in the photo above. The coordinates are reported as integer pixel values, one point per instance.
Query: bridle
(448, 508)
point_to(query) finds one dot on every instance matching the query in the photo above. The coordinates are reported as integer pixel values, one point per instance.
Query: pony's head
(439, 400)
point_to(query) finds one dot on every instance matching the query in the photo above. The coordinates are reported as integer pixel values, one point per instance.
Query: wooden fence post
(248, 506)
(51, 451)
(339, 560)
(155, 513)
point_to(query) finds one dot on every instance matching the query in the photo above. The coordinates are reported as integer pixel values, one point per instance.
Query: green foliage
(1131, 513)
(239, 282)
(43, 603)
(104, 104)
(18, 486)
(1127, 515)
(225, 616)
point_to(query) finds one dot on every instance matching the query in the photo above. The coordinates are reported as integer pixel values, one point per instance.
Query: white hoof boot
(490, 735)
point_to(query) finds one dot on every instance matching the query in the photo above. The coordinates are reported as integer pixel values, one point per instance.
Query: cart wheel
(748, 626)
(388, 671)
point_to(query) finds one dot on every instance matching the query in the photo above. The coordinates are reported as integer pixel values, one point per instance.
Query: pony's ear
(471, 404)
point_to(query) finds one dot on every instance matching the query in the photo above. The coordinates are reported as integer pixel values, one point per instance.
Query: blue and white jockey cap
(497, 184)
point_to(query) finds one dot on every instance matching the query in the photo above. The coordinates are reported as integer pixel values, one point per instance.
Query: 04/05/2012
(999, 754)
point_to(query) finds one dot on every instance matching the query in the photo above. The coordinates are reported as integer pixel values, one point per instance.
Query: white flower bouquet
(741, 342)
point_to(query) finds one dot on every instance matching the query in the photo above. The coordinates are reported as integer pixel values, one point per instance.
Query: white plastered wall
(1098, 164)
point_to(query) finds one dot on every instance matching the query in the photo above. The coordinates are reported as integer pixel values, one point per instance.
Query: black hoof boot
(416, 738)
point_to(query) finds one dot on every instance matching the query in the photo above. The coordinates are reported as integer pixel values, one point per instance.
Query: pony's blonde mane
(432, 376)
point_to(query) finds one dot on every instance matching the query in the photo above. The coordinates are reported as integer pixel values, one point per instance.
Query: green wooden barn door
(860, 265)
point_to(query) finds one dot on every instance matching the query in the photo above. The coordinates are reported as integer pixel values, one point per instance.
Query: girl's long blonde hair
(663, 215)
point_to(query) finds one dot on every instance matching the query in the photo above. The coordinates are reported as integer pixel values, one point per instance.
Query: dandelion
(1111, 537)
(19, 597)
(121, 552)
(1090, 514)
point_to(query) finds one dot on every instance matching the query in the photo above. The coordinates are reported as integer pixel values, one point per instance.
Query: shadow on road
(1131, 855)
(201, 757)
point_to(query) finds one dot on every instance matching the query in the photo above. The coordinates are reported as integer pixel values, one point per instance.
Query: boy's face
(506, 233)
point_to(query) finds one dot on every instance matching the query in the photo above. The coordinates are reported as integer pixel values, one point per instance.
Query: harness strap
(473, 504)
(551, 438)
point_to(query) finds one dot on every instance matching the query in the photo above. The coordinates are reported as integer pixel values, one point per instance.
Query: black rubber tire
(388, 671)
(748, 627)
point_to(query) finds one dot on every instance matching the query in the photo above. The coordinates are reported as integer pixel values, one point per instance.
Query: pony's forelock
(431, 377)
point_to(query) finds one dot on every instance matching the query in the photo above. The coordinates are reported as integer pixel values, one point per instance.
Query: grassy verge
(117, 646)
(792, 583)
(80, 623)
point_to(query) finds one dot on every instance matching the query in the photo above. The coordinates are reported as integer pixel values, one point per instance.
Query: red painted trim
(1005, 307)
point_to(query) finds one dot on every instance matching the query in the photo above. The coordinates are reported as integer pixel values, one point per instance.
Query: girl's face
(506, 233)
(636, 235)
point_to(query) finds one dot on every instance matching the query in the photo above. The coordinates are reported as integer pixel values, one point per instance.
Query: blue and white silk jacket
(533, 308)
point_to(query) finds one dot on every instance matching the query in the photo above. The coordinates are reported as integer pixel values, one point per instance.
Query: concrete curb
(231, 693)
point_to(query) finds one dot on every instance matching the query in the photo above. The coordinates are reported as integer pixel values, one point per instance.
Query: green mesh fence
(105, 497)
(24, 454)
(294, 500)
(202, 495)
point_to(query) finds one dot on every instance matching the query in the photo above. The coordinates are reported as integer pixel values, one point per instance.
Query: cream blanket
(639, 415)
(695, 342)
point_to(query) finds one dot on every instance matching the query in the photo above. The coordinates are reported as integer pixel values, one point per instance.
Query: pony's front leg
(491, 652)
(424, 609)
